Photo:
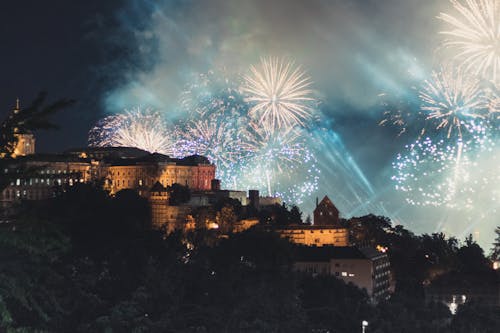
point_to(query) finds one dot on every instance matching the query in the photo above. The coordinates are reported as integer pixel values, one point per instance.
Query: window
(337, 274)
(344, 273)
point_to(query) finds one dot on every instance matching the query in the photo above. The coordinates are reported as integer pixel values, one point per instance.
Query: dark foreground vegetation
(86, 262)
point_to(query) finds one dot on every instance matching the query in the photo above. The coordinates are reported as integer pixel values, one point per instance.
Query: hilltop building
(366, 268)
(326, 213)
(36, 176)
(326, 230)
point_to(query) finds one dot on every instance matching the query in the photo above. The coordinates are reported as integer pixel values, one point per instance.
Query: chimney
(215, 185)
(317, 202)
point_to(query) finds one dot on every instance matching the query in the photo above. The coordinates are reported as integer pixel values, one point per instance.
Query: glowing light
(214, 138)
(452, 100)
(280, 94)
(143, 129)
(248, 155)
(475, 34)
(457, 174)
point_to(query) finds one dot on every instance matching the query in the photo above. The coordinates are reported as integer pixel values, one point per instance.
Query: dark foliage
(34, 117)
(178, 194)
(88, 262)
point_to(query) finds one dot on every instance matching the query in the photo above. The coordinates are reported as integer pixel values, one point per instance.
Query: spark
(143, 129)
(475, 34)
(248, 154)
(451, 173)
(211, 137)
(280, 94)
(452, 100)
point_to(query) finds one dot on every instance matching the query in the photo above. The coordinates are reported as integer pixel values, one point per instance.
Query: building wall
(370, 274)
(25, 145)
(39, 183)
(316, 236)
(198, 178)
(246, 224)
(356, 271)
(326, 213)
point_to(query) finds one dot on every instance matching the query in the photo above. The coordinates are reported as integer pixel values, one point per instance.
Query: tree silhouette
(495, 251)
(35, 117)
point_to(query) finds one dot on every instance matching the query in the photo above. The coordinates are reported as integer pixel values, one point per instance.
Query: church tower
(25, 141)
(326, 213)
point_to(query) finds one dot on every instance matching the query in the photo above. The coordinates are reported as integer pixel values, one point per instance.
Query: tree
(495, 251)
(226, 218)
(34, 117)
(471, 257)
(178, 194)
(295, 215)
(369, 229)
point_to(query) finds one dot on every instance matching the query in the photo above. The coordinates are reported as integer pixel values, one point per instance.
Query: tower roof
(327, 203)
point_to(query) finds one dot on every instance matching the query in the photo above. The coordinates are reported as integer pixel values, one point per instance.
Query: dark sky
(55, 46)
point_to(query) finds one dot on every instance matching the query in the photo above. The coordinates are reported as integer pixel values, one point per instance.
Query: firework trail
(280, 94)
(143, 129)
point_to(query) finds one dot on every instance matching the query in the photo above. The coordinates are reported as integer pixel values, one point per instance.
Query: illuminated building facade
(366, 268)
(25, 145)
(315, 235)
(326, 231)
(326, 213)
(37, 176)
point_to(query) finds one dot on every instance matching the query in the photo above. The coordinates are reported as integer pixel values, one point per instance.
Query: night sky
(111, 55)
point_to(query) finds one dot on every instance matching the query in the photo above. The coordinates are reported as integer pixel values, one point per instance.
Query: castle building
(326, 231)
(312, 235)
(326, 213)
(37, 176)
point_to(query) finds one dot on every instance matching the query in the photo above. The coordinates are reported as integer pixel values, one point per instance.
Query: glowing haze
(213, 68)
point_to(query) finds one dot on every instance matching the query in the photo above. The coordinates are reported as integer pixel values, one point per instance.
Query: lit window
(351, 274)
(344, 273)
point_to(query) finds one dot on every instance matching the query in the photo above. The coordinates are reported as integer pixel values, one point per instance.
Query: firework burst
(451, 101)
(475, 34)
(449, 172)
(280, 94)
(280, 164)
(214, 138)
(143, 129)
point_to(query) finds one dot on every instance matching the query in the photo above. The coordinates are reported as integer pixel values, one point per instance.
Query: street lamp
(364, 323)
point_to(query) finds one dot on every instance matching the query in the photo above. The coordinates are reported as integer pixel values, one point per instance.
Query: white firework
(143, 129)
(452, 100)
(279, 93)
(475, 34)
